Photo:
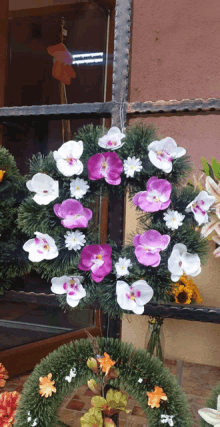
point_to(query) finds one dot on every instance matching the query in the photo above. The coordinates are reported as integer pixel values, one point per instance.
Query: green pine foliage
(132, 365)
(13, 262)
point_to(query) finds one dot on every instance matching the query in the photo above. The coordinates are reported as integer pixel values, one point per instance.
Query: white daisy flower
(140, 380)
(67, 158)
(122, 266)
(74, 240)
(173, 219)
(78, 188)
(132, 165)
(112, 141)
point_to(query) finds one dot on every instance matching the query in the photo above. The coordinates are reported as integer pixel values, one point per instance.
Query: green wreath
(138, 374)
(131, 168)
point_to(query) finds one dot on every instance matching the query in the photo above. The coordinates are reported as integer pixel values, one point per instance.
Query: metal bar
(174, 106)
(192, 313)
(99, 108)
(179, 371)
(33, 327)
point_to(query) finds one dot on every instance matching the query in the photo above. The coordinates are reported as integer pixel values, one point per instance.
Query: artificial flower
(214, 190)
(92, 418)
(211, 416)
(157, 196)
(74, 240)
(181, 261)
(167, 419)
(71, 375)
(122, 266)
(78, 188)
(132, 165)
(67, 158)
(133, 297)
(8, 406)
(3, 375)
(216, 251)
(70, 286)
(161, 153)
(46, 386)
(155, 397)
(112, 141)
(93, 364)
(29, 420)
(173, 219)
(40, 248)
(106, 363)
(185, 291)
(96, 258)
(45, 187)
(200, 206)
(1, 175)
(183, 295)
(92, 385)
(140, 380)
(73, 214)
(148, 246)
(106, 165)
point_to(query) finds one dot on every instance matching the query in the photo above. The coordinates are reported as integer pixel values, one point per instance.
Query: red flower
(3, 374)
(8, 406)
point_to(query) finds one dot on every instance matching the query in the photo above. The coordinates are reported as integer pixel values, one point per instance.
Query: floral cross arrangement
(59, 211)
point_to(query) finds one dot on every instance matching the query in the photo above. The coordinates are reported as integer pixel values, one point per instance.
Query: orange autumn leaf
(3, 375)
(1, 175)
(47, 386)
(106, 363)
(8, 406)
(154, 397)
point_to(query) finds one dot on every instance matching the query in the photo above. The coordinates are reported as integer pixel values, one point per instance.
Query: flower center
(132, 296)
(196, 207)
(173, 219)
(180, 263)
(104, 165)
(70, 160)
(98, 256)
(46, 247)
(146, 249)
(110, 143)
(182, 297)
(163, 156)
(45, 191)
(78, 188)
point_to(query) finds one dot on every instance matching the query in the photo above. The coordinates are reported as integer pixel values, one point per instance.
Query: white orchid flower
(161, 153)
(133, 297)
(70, 286)
(40, 248)
(122, 266)
(132, 165)
(200, 206)
(67, 158)
(180, 262)
(167, 419)
(45, 187)
(71, 375)
(112, 141)
(211, 416)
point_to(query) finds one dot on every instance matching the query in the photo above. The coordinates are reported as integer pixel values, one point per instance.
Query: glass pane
(34, 74)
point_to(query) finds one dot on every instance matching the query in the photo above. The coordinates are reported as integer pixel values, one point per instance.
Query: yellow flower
(155, 397)
(185, 291)
(1, 175)
(47, 386)
(106, 363)
(183, 295)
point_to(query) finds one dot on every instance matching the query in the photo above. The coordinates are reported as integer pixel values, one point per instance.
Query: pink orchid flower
(73, 214)
(106, 165)
(157, 196)
(96, 258)
(148, 246)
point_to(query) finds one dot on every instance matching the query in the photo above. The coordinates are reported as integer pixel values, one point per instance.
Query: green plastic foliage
(132, 365)
(211, 170)
(92, 418)
(117, 400)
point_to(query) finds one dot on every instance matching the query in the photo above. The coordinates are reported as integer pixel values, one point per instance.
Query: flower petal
(209, 415)
(146, 292)
(57, 284)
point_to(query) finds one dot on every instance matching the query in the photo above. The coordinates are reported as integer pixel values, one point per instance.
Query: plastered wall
(174, 56)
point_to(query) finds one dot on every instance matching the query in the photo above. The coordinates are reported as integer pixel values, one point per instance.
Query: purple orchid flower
(73, 214)
(106, 165)
(148, 246)
(96, 258)
(157, 196)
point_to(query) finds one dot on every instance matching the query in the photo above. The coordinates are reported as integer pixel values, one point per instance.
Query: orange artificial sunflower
(8, 406)
(154, 397)
(3, 375)
(106, 363)
(1, 175)
(47, 386)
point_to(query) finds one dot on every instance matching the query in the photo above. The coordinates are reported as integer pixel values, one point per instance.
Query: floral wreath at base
(210, 415)
(66, 248)
(66, 369)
